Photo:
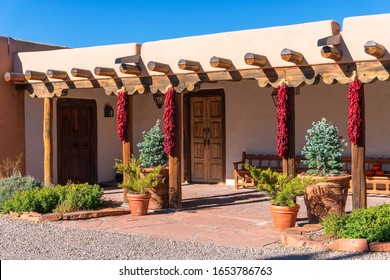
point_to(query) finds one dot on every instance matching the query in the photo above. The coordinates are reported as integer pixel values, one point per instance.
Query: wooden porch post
(175, 195)
(358, 152)
(288, 161)
(127, 145)
(48, 141)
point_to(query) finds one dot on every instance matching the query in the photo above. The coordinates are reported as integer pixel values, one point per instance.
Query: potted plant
(151, 155)
(282, 191)
(323, 151)
(138, 186)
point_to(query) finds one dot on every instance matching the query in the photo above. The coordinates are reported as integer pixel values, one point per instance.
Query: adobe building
(223, 83)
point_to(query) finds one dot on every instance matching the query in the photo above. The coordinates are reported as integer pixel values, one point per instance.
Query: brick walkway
(211, 213)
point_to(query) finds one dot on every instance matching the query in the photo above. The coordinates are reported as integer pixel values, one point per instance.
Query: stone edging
(52, 217)
(294, 237)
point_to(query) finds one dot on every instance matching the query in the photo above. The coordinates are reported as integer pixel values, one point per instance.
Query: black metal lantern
(159, 99)
(274, 95)
(108, 111)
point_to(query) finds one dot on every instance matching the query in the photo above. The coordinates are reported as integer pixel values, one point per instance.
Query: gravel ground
(26, 240)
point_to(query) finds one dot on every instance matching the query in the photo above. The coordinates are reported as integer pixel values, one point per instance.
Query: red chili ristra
(355, 93)
(169, 123)
(121, 114)
(282, 118)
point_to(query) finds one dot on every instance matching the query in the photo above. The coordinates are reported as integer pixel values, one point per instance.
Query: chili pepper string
(121, 114)
(282, 117)
(169, 124)
(355, 94)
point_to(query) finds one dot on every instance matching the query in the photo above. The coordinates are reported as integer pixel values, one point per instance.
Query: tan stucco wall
(12, 136)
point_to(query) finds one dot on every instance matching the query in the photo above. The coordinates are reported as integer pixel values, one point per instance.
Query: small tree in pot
(282, 191)
(151, 155)
(323, 151)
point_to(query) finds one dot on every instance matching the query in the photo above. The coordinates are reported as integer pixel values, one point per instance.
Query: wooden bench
(243, 178)
(374, 184)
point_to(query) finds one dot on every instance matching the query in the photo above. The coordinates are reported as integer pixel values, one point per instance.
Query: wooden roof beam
(81, 73)
(291, 56)
(255, 59)
(57, 74)
(130, 69)
(14, 77)
(374, 49)
(104, 71)
(331, 53)
(190, 65)
(158, 67)
(35, 75)
(219, 62)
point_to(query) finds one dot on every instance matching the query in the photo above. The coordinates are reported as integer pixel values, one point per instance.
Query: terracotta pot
(160, 193)
(284, 216)
(325, 197)
(139, 203)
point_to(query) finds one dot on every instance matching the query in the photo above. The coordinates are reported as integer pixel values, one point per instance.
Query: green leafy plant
(134, 181)
(281, 189)
(323, 149)
(372, 224)
(152, 147)
(11, 185)
(72, 197)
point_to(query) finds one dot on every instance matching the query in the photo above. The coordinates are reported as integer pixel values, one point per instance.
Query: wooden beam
(127, 145)
(81, 73)
(130, 69)
(288, 162)
(14, 77)
(358, 152)
(331, 53)
(57, 74)
(158, 67)
(190, 65)
(291, 56)
(219, 62)
(35, 75)
(255, 59)
(48, 141)
(105, 71)
(175, 192)
(374, 49)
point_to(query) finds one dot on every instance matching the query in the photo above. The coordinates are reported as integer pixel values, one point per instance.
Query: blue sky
(88, 23)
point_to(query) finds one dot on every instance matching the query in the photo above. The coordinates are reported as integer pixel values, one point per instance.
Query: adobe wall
(12, 137)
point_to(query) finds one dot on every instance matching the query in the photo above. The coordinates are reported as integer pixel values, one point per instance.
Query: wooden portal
(207, 137)
(76, 140)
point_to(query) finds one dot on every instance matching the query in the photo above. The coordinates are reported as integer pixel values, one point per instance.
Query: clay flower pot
(160, 193)
(284, 216)
(139, 203)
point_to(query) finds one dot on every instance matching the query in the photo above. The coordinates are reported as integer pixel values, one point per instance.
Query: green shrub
(11, 185)
(372, 224)
(152, 147)
(323, 149)
(67, 198)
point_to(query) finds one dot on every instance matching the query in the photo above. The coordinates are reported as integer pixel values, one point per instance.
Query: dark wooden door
(207, 139)
(77, 140)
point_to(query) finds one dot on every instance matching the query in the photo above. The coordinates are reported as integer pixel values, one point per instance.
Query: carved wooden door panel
(76, 138)
(207, 139)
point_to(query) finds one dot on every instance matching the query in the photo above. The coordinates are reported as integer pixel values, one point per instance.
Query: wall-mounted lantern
(159, 99)
(108, 111)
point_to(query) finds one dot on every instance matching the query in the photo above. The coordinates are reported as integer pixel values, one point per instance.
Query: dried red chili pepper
(169, 123)
(282, 118)
(121, 114)
(355, 94)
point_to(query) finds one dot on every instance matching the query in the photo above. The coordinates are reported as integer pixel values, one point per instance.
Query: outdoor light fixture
(108, 111)
(159, 99)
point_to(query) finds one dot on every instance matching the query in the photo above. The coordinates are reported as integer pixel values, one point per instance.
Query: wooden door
(76, 138)
(207, 139)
